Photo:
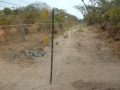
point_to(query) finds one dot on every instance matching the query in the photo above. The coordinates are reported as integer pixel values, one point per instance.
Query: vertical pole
(23, 33)
(81, 25)
(71, 35)
(52, 46)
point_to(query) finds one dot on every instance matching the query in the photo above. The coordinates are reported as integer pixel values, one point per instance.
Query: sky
(68, 5)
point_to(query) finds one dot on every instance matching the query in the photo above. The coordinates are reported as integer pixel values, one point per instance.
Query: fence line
(9, 37)
(13, 81)
(37, 24)
(18, 30)
(15, 41)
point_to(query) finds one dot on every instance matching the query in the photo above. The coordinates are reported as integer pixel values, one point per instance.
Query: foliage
(106, 13)
(7, 11)
(96, 8)
(113, 15)
(35, 12)
(21, 21)
(5, 20)
(56, 43)
(93, 17)
(59, 15)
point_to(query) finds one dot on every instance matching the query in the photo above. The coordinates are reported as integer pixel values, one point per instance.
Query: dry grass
(32, 42)
(66, 35)
(80, 30)
(103, 35)
(110, 40)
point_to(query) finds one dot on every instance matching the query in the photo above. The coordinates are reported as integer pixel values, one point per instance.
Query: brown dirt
(33, 42)
(81, 62)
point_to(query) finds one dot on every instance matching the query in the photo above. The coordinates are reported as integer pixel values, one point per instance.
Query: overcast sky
(62, 4)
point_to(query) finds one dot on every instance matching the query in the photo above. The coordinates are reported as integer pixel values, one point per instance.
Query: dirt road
(81, 62)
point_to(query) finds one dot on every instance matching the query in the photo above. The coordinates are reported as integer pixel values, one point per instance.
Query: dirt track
(81, 62)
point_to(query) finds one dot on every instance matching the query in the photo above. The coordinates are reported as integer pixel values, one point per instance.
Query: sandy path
(81, 62)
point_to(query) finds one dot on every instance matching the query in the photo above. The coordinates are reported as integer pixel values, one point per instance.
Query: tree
(116, 3)
(90, 8)
(113, 15)
(82, 9)
(7, 11)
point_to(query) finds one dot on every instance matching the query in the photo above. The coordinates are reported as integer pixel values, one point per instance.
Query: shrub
(113, 15)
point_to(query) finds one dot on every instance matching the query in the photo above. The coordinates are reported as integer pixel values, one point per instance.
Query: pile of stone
(13, 56)
(29, 53)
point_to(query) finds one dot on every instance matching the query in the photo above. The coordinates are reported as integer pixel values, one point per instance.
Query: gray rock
(39, 55)
(35, 53)
(12, 56)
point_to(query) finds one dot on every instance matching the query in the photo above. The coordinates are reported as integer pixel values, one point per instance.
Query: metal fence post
(52, 47)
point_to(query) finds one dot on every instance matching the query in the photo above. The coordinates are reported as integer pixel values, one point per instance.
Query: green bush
(56, 43)
(113, 15)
